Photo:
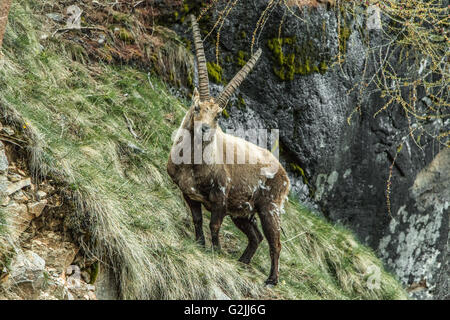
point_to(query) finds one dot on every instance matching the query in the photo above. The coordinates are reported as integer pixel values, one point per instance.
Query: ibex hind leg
(270, 222)
(250, 229)
(196, 210)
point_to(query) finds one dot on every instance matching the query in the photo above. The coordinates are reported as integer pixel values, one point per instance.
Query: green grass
(126, 211)
(2, 223)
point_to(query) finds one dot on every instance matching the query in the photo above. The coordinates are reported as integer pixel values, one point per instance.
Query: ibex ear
(195, 97)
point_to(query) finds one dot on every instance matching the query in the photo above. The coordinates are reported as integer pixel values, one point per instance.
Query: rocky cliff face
(339, 166)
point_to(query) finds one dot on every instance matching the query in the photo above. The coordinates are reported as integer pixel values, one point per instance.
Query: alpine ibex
(259, 184)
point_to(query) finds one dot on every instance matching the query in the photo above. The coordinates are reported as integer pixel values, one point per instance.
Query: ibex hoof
(270, 283)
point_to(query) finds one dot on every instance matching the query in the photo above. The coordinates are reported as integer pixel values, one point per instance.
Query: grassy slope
(131, 214)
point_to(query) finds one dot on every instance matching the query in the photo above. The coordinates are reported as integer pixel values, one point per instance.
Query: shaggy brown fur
(239, 189)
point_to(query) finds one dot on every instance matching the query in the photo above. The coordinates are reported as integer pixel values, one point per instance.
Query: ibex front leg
(196, 210)
(218, 212)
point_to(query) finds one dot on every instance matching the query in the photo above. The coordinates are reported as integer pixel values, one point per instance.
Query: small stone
(14, 177)
(17, 186)
(41, 194)
(37, 207)
(8, 130)
(101, 39)
(374, 18)
(19, 196)
(18, 218)
(55, 16)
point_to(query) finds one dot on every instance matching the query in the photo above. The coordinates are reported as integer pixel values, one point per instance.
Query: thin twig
(79, 29)
(130, 127)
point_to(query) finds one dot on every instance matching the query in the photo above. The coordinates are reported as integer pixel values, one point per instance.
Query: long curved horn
(222, 100)
(203, 81)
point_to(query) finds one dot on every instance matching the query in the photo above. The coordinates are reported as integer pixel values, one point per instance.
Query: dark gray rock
(415, 245)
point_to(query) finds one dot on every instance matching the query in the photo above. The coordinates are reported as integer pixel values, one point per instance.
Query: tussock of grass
(127, 213)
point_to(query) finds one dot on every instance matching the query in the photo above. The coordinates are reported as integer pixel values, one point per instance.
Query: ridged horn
(203, 81)
(222, 100)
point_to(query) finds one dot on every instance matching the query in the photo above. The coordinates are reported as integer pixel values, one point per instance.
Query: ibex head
(206, 108)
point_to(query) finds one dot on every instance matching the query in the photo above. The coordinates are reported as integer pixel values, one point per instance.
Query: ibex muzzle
(240, 190)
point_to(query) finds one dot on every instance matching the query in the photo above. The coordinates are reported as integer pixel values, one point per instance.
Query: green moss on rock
(290, 58)
(215, 72)
(297, 169)
(241, 102)
(225, 113)
(242, 58)
(344, 35)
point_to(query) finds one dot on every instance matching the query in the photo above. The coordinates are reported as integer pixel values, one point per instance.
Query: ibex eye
(197, 108)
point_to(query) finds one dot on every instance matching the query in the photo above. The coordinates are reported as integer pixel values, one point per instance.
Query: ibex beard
(255, 185)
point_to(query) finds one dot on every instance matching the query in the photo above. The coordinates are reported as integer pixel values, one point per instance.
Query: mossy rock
(299, 170)
(241, 102)
(344, 35)
(215, 72)
(242, 58)
(225, 113)
(290, 58)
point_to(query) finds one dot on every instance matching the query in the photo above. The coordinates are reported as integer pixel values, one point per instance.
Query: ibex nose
(205, 128)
